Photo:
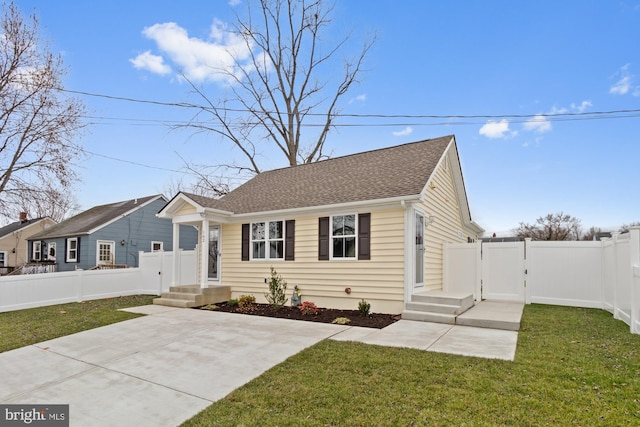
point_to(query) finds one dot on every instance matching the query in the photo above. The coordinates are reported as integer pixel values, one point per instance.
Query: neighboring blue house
(110, 234)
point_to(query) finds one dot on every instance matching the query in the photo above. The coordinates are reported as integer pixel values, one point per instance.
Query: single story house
(363, 226)
(108, 235)
(13, 240)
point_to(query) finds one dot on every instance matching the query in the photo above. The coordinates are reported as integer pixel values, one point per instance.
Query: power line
(589, 115)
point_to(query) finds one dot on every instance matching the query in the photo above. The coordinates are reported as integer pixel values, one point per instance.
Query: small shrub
(340, 320)
(308, 307)
(277, 290)
(232, 302)
(211, 307)
(364, 308)
(246, 301)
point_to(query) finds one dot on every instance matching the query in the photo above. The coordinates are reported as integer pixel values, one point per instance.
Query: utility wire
(587, 114)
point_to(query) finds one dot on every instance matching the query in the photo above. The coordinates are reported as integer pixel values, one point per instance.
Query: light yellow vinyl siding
(18, 241)
(186, 210)
(441, 201)
(380, 280)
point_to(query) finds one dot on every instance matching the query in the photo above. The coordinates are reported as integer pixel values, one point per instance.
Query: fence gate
(503, 271)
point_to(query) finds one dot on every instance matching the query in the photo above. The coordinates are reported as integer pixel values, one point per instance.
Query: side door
(105, 254)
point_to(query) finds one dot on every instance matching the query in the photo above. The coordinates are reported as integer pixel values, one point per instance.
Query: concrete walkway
(161, 369)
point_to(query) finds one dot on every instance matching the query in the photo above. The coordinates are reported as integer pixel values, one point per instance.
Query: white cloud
(199, 60)
(234, 2)
(359, 98)
(404, 132)
(624, 83)
(538, 124)
(150, 62)
(582, 107)
(493, 129)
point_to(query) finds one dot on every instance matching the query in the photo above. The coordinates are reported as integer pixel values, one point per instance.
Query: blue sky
(456, 58)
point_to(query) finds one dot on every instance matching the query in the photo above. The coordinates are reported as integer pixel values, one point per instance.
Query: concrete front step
(435, 306)
(435, 297)
(422, 316)
(193, 296)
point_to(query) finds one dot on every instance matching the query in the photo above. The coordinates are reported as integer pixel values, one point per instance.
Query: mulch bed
(325, 315)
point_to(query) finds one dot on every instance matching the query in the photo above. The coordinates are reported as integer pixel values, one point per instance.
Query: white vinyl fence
(602, 274)
(152, 277)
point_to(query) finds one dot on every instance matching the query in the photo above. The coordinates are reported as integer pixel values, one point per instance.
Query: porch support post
(175, 280)
(204, 253)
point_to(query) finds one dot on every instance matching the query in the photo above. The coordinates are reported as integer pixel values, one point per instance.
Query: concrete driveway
(161, 369)
(156, 370)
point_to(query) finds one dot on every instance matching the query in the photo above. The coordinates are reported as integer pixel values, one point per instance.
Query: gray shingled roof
(397, 171)
(88, 220)
(15, 226)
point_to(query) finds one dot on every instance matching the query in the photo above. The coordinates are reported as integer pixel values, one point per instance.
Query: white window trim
(67, 256)
(355, 256)
(154, 242)
(113, 244)
(267, 241)
(4, 262)
(39, 251)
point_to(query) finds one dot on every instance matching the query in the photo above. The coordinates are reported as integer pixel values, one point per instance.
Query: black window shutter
(245, 242)
(323, 238)
(364, 236)
(289, 240)
(78, 250)
(66, 242)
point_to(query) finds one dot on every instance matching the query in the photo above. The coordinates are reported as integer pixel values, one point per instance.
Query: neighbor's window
(267, 240)
(72, 250)
(37, 251)
(3, 258)
(343, 236)
(156, 246)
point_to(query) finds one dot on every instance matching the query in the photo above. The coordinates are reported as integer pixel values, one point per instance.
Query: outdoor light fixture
(123, 242)
(430, 220)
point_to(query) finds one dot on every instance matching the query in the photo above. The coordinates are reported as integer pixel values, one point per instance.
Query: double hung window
(267, 240)
(343, 236)
(72, 249)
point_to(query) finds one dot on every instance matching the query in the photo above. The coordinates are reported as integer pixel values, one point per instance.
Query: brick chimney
(23, 216)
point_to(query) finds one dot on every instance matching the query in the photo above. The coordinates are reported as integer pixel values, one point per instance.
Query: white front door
(105, 252)
(418, 253)
(213, 269)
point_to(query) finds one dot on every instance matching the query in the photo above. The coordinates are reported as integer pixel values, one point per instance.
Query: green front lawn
(573, 367)
(30, 326)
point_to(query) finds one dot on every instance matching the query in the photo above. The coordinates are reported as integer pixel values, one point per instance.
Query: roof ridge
(360, 153)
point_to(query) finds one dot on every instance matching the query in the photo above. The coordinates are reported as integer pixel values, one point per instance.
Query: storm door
(214, 253)
(419, 250)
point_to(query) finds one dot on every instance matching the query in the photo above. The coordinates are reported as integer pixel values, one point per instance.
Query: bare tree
(558, 226)
(47, 201)
(625, 227)
(279, 99)
(36, 123)
(592, 234)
